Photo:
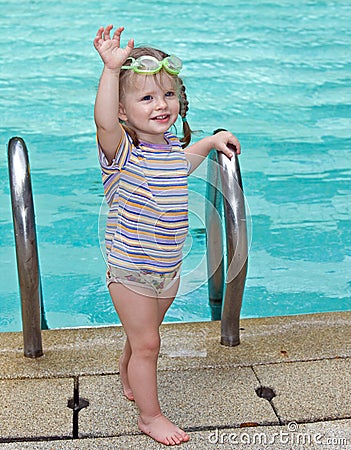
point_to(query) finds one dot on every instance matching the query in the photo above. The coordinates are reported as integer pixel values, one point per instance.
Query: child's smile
(162, 119)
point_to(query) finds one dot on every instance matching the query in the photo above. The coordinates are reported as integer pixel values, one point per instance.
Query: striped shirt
(146, 188)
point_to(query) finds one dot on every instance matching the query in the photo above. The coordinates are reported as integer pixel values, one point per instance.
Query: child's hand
(109, 49)
(227, 143)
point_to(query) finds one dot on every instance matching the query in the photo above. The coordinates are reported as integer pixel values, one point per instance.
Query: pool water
(275, 73)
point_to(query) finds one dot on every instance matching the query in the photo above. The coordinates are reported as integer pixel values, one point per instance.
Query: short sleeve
(122, 154)
(189, 166)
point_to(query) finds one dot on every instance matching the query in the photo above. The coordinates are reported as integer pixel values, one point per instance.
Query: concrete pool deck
(287, 385)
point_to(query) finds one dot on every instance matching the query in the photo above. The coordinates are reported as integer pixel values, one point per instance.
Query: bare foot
(163, 430)
(127, 391)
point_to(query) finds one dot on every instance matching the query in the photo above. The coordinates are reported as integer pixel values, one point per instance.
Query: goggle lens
(147, 64)
(173, 63)
(150, 65)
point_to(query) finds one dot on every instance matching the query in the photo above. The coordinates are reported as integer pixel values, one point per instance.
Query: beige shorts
(134, 279)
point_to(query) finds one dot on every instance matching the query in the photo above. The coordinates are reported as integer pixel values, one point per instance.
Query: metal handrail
(33, 319)
(225, 197)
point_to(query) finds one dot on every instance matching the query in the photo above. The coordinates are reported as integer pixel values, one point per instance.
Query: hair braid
(184, 108)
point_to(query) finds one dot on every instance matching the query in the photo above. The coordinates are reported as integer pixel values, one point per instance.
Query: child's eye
(146, 98)
(170, 94)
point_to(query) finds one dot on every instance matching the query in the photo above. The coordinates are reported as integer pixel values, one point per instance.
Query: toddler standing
(145, 170)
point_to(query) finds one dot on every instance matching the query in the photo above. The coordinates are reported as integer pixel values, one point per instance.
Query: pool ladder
(33, 315)
(224, 198)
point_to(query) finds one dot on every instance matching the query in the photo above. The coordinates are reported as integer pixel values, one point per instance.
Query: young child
(145, 169)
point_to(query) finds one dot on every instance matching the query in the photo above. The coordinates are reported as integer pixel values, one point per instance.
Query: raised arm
(107, 97)
(224, 141)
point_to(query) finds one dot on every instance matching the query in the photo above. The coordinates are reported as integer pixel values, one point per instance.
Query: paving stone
(35, 408)
(67, 352)
(109, 412)
(191, 398)
(214, 397)
(309, 391)
(263, 341)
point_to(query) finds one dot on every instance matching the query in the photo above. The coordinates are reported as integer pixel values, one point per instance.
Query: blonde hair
(126, 78)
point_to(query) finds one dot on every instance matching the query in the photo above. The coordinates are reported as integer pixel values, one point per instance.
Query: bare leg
(141, 316)
(123, 370)
(164, 303)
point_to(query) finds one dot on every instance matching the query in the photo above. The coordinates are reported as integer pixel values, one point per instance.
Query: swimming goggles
(150, 65)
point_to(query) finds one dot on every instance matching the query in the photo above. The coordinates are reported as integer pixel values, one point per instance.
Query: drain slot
(76, 403)
(268, 394)
(265, 392)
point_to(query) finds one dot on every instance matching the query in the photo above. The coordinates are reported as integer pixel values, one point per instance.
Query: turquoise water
(275, 73)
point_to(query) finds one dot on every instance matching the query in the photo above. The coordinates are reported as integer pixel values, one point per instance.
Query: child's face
(150, 106)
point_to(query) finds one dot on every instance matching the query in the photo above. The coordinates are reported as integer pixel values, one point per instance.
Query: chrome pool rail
(33, 319)
(225, 200)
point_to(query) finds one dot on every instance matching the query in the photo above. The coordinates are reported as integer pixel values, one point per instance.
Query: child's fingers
(225, 148)
(118, 32)
(229, 152)
(229, 144)
(99, 32)
(103, 34)
(130, 44)
(98, 37)
(234, 144)
(106, 34)
(117, 38)
(129, 47)
(235, 147)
